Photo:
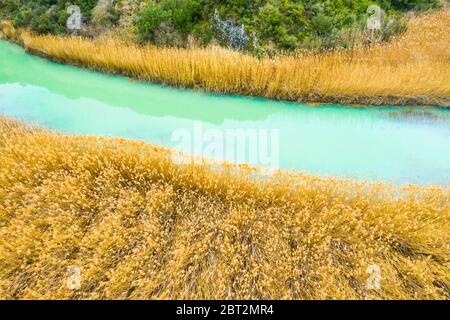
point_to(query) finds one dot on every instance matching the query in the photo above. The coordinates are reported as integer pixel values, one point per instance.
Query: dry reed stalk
(139, 226)
(412, 69)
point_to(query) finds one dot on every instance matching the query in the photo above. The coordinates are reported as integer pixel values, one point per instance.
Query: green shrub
(202, 32)
(180, 15)
(103, 17)
(392, 26)
(149, 20)
(277, 24)
(44, 16)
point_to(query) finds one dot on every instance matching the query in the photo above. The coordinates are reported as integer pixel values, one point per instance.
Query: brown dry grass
(410, 70)
(141, 227)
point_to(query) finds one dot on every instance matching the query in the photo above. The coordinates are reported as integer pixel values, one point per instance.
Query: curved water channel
(400, 145)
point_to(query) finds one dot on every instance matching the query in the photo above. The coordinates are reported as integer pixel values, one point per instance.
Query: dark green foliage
(103, 17)
(414, 4)
(44, 16)
(182, 16)
(276, 24)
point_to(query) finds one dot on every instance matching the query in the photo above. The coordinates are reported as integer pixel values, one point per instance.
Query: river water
(399, 145)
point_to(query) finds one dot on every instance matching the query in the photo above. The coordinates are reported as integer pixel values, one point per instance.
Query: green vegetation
(275, 24)
(49, 16)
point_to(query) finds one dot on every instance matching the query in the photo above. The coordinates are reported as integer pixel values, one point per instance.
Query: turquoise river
(399, 145)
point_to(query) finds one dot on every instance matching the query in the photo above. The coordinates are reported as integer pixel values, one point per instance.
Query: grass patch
(141, 227)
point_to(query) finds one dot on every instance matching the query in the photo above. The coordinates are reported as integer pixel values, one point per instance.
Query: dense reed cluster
(137, 225)
(410, 70)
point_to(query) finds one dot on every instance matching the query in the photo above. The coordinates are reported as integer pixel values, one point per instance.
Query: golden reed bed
(413, 69)
(139, 226)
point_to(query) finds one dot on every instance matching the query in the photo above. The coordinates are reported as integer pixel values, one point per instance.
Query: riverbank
(412, 70)
(138, 226)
